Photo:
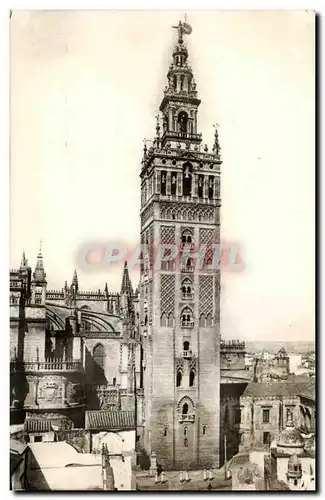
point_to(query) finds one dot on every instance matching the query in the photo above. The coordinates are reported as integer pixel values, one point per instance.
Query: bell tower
(180, 292)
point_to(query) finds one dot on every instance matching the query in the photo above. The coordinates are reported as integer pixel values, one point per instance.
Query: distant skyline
(85, 89)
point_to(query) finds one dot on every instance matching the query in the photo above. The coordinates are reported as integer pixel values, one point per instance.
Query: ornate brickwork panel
(186, 213)
(206, 236)
(151, 248)
(180, 365)
(206, 294)
(193, 365)
(167, 234)
(167, 294)
(146, 215)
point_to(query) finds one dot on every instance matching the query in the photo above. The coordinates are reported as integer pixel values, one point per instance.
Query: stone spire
(75, 279)
(24, 261)
(39, 273)
(126, 286)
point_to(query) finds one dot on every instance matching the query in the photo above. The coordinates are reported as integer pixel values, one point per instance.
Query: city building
(270, 367)
(180, 300)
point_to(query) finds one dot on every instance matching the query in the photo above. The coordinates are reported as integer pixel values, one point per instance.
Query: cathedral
(71, 350)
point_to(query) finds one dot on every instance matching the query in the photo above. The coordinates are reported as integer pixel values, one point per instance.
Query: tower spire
(75, 278)
(126, 286)
(39, 273)
(24, 261)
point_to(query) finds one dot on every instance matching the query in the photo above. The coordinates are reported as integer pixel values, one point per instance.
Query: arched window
(186, 442)
(165, 431)
(185, 409)
(187, 288)
(204, 430)
(99, 355)
(187, 318)
(192, 378)
(187, 179)
(163, 320)
(182, 120)
(163, 183)
(179, 379)
(202, 320)
(210, 187)
(200, 186)
(170, 320)
(185, 431)
(114, 381)
(173, 186)
(186, 346)
(186, 237)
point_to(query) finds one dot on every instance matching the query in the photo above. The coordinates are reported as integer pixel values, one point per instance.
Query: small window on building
(295, 482)
(179, 379)
(186, 346)
(266, 416)
(186, 442)
(204, 430)
(185, 409)
(266, 438)
(185, 431)
(37, 439)
(192, 378)
(114, 381)
(165, 431)
(38, 298)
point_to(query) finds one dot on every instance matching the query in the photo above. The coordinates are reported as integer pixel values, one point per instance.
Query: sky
(85, 88)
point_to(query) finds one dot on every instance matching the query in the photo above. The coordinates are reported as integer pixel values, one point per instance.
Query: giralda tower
(180, 299)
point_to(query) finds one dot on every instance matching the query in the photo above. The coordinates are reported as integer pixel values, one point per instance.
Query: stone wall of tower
(179, 315)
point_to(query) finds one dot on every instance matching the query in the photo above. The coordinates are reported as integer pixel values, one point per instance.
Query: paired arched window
(187, 317)
(99, 355)
(187, 288)
(186, 237)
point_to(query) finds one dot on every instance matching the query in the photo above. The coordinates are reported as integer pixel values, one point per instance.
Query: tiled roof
(255, 389)
(34, 425)
(309, 392)
(103, 419)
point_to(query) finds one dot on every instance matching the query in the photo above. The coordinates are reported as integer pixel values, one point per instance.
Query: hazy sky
(85, 88)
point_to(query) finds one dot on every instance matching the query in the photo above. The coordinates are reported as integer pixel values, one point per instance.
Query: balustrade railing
(47, 365)
(187, 354)
(190, 417)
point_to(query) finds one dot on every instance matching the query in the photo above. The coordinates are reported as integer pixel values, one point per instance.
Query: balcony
(187, 269)
(45, 366)
(187, 324)
(187, 354)
(181, 136)
(187, 296)
(190, 417)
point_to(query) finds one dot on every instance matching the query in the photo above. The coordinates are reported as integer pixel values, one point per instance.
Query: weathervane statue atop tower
(183, 29)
